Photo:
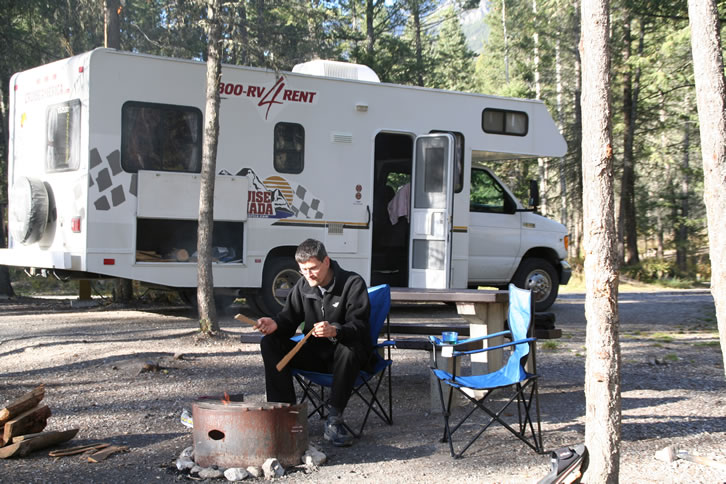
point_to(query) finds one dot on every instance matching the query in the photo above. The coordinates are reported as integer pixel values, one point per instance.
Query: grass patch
(549, 345)
(708, 343)
(662, 337)
(671, 357)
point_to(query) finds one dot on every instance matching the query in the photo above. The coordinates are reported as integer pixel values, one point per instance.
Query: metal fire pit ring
(238, 434)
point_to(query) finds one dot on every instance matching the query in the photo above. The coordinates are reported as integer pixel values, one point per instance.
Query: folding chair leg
(446, 411)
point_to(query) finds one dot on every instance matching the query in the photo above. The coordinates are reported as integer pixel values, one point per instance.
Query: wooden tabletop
(408, 294)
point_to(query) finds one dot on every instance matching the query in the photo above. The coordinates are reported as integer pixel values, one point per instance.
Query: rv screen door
(431, 212)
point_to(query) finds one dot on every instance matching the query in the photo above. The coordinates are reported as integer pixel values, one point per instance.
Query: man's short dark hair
(308, 249)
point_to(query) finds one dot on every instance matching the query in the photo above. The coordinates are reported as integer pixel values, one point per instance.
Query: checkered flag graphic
(306, 204)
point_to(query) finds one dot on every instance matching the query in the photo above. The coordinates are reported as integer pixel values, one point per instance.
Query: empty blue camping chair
(510, 383)
(313, 384)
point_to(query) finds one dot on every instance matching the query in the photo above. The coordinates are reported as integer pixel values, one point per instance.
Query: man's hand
(324, 329)
(266, 325)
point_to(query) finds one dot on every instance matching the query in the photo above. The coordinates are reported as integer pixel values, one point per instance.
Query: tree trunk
(506, 41)
(711, 101)
(260, 46)
(542, 163)
(370, 34)
(562, 173)
(576, 249)
(112, 31)
(419, 48)
(631, 91)
(681, 235)
(602, 367)
(6, 289)
(205, 282)
(123, 289)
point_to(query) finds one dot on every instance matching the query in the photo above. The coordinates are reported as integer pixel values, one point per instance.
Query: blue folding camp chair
(366, 386)
(512, 378)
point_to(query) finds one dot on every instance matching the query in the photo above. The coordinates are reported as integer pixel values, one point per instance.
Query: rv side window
(487, 195)
(289, 147)
(63, 122)
(161, 137)
(498, 121)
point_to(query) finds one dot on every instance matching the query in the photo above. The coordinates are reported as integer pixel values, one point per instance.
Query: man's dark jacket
(345, 306)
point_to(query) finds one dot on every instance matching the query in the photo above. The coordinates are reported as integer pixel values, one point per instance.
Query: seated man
(333, 304)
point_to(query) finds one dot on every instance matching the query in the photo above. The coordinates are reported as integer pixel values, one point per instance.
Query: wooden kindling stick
(286, 359)
(245, 319)
(283, 362)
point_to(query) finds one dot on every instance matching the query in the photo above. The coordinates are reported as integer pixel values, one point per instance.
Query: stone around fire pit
(236, 434)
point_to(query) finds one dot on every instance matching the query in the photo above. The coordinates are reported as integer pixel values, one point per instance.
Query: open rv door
(431, 212)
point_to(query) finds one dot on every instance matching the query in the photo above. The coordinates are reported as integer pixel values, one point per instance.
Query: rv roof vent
(341, 70)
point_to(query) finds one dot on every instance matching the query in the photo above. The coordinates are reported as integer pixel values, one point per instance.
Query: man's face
(317, 273)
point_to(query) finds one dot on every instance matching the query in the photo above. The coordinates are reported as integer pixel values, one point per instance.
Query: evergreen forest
(520, 48)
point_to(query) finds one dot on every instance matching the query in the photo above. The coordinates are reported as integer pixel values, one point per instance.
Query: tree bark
(627, 185)
(416, 11)
(562, 168)
(711, 101)
(602, 367)
(123, 289)
(576, 246)
(205, 281)
(681, 232)
(370, 33)
(506, 41)
(112, 31)
(6, 289)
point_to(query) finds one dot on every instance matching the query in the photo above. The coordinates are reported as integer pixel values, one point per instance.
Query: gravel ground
(92, 361)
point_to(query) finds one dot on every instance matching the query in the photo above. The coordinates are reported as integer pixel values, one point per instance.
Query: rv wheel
(29, 210)
(541, 278)
(281, 273)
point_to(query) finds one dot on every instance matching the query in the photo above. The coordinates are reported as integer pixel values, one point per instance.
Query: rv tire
(541, 277)
(29, 210)
(280, 273)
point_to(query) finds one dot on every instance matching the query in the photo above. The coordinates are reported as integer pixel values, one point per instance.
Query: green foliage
(662, 337)
(383, 34)
(452, 67)
(665, 272)
(550, 345)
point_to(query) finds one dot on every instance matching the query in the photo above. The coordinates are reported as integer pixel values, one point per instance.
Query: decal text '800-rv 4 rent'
(105, 160)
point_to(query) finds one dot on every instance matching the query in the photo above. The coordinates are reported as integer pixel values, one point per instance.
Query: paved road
(642, 310)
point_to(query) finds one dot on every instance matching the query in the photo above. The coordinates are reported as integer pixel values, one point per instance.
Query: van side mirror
(534, 194)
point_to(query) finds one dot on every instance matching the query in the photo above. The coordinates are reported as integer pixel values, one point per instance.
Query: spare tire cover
(28, 215)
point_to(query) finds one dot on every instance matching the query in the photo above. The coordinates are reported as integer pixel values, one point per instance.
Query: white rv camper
(104, 175)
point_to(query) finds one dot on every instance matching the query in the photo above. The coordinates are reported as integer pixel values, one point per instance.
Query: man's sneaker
(336, 434)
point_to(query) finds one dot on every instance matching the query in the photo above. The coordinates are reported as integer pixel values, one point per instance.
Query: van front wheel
(541, 278)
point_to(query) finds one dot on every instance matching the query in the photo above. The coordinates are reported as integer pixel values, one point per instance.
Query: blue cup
(449, 337)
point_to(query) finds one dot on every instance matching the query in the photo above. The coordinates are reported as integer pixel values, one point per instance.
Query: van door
(431, 212)
(495, 229)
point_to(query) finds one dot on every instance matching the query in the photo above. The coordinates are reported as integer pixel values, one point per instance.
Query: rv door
(431, 212)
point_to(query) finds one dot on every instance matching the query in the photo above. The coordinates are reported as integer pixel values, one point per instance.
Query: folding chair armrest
(490, 348)
(435, 340)
(383, 344)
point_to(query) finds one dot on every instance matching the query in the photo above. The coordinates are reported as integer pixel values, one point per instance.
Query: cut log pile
(22, 422)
